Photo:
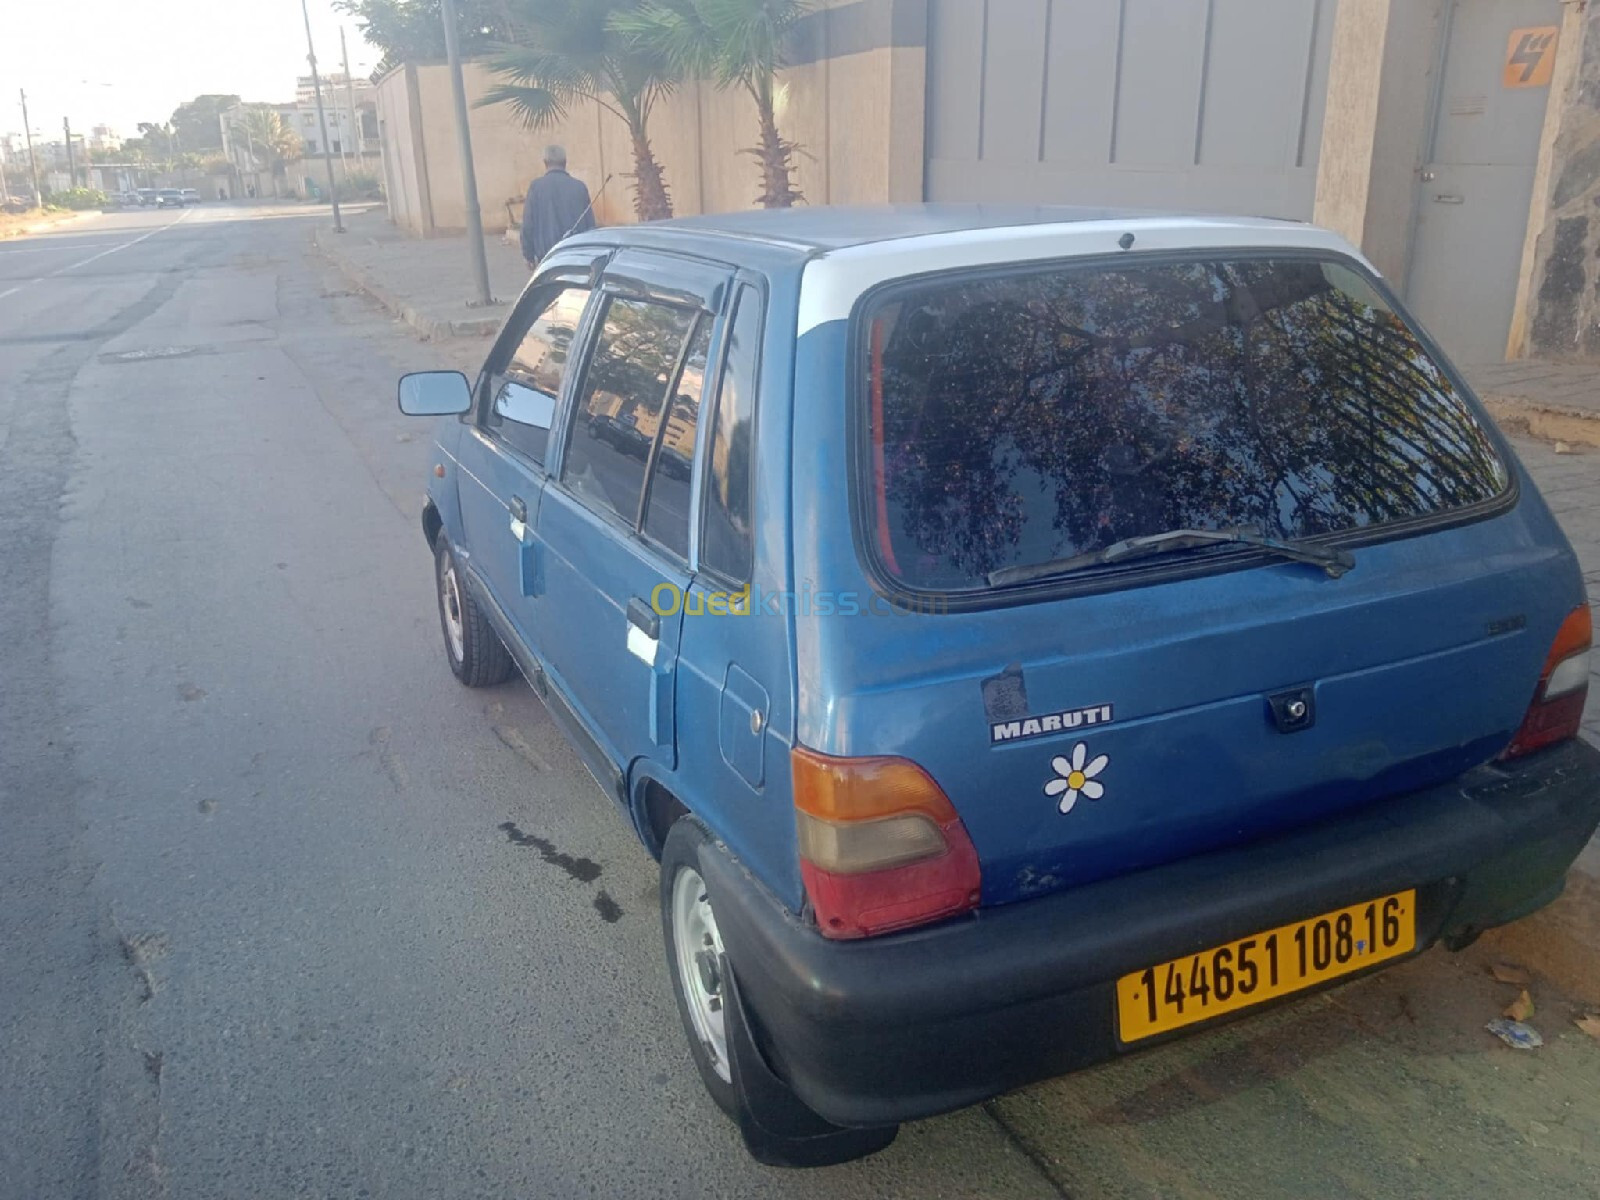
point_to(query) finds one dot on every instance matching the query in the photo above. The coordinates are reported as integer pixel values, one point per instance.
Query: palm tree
(730, 42)
(266, 128)
(566, 50)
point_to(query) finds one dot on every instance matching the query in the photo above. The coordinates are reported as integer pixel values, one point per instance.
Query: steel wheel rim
(450, 604)
(698, 948)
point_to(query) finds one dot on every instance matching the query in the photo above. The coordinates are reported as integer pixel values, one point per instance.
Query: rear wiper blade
(1332, 560)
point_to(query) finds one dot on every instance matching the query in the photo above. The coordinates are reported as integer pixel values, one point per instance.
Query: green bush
(77, 198)
(363, 185)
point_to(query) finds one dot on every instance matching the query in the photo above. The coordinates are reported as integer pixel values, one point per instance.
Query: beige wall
(858, 120)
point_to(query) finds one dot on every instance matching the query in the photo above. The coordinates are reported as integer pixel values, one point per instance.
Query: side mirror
(434, 394)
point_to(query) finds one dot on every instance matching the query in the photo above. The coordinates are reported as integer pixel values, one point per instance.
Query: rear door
(613, 529)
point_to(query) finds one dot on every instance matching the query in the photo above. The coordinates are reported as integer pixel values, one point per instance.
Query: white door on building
(1476, 187)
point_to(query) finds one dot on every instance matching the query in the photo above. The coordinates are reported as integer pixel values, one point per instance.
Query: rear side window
(525, 394)
(1013, 419)
(727, 543)
(666, 518)
(624, 395)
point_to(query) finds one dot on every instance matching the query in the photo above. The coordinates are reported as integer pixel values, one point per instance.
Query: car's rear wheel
(477, 656)
(695, 960)
(777, 1127)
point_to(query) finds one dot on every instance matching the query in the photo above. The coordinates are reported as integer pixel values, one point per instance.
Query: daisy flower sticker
(1075, 775)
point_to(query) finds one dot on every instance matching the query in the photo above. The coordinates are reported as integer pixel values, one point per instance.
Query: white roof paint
(833, 282)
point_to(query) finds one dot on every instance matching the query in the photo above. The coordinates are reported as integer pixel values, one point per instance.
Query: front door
(503, 455)
(1475, 191)
(614, 529)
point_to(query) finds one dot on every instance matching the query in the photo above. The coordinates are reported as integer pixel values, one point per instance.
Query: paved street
(286, 912)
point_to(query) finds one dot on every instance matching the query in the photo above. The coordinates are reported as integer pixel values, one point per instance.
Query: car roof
(843, 252)
(823, 228)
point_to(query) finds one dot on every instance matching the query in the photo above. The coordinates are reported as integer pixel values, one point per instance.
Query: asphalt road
(285, 912)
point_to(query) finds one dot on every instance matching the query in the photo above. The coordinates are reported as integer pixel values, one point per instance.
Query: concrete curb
(1522, 414)
(428, 328)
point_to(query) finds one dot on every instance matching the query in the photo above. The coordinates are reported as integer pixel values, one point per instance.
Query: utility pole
(469, 179)
(322, 120)
(72, 169)
(350, 103)
(33, 163)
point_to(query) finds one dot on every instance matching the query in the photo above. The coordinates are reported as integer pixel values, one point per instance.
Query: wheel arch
(432, 522)
(655, 805)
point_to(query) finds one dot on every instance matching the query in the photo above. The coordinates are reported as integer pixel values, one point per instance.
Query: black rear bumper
(906, 1026)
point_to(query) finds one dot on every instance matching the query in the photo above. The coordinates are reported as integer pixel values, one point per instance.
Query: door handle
(644, 618)
(519, 517)
(1448, 198)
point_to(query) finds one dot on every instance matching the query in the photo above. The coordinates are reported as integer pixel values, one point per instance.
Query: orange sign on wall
(1530, 57)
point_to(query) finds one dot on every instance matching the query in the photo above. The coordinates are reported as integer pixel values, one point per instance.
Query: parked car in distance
(125, 199)
(190, 195)
(147, 197)
(1070, 629)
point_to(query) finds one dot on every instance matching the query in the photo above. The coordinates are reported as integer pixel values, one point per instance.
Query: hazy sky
(119, 62)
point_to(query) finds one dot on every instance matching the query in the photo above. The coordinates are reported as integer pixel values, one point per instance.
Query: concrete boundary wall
(853, 102)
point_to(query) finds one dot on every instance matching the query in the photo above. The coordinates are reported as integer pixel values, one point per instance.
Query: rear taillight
(881, 846)
(1557, 708)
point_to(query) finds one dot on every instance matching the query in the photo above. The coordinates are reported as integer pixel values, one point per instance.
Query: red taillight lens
(881, 847)
(1557, 708)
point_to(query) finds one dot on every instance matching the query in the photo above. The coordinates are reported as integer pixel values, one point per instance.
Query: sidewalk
(1559, 401)
(426, 282)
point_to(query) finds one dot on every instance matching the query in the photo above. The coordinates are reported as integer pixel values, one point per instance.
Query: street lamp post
(322, 120)
(469, 180)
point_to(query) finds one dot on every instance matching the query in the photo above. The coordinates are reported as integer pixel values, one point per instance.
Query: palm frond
(677, 33)
(536, 107)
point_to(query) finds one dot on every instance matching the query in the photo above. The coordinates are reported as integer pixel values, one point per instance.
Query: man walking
(557, 205)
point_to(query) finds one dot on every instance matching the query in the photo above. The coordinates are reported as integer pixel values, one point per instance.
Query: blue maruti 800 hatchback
(1023, 636)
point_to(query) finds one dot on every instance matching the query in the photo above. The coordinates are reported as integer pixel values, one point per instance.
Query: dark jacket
(557, 205)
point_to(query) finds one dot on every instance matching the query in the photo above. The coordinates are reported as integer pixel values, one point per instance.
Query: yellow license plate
(1255, 969)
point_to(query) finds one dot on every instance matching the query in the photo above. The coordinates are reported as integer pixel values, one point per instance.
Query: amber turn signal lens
(859, 789)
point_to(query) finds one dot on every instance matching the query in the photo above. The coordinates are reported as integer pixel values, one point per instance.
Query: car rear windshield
(1019, 417)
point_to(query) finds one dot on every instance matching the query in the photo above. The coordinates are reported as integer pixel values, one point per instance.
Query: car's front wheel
(477, 656)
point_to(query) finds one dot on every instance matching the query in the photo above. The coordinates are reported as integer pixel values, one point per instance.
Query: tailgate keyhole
(1293, 710)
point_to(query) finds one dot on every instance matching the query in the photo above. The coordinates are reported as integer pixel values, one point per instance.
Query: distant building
(348, 132)
(105, 139)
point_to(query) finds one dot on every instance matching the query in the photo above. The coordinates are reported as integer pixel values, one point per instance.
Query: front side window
(624, 396)
(525, 393)
(1016, 419)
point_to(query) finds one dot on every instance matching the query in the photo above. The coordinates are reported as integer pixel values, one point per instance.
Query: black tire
(682, 852)
(482, 660)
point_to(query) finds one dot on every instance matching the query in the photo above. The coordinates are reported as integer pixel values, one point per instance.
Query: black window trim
(757, 285)
(1148, 572)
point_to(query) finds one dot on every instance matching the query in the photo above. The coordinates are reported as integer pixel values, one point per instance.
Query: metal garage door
(1201, 105)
